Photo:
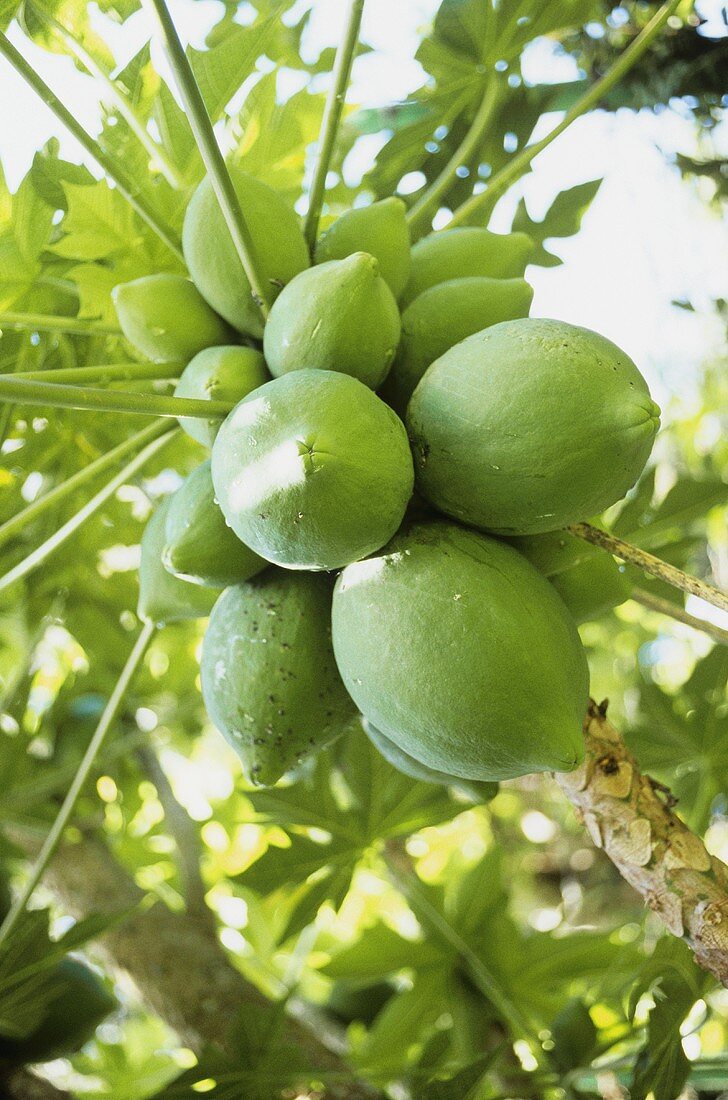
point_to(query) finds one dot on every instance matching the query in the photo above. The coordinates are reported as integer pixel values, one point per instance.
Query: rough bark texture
(631, 817)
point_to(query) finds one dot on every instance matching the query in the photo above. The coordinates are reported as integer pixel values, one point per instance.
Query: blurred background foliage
(504, 928)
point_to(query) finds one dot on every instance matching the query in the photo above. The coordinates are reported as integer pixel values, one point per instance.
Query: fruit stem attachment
(428, 202)
(675, 611)
(212, 158)
(331, 118)
(43, 322)
(165, 432)
(650, 564)
(55, 834)
(56, 395)
(485, 200)
(126, 187)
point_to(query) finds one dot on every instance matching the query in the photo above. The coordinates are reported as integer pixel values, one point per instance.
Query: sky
(647, 239)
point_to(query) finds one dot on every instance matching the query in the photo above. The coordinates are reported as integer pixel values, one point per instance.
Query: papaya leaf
(562, 219)
(465, 1084)
(381, 950)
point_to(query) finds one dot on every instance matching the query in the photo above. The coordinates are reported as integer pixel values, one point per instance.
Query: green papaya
(588, 580)
(529, 426)
(462, 654)
(70, 1021)
(162, 597)
(339, 316)
(219, 374)
(381, 230)
(199, 545)
(269, 679)
(312, 470)
(213, 263)
(467, 250)
(444, 315)
(403, 762)
(166, 318)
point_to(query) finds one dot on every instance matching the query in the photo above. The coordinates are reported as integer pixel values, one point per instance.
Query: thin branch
(485, 200)
(18, 522)
(58, 396)
(214, 162)
(51, 544)
(331, 118)
(43, 322)
(125, 186)
(85, 767)
(676, 611)
(631, 817)
(105, 372)
(650, 564)
(429, 202)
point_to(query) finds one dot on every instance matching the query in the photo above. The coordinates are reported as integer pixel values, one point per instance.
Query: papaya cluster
(377, 532)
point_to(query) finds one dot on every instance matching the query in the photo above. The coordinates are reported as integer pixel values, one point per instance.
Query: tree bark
(631, 818)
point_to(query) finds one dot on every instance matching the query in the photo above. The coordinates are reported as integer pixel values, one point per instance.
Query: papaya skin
(312, 470)
(269, 679)
(529, 426)
(441, 317)
(462, 252)
(165, 318)
(462, 654)
(219, 374)
(162, 597)
(339, 316)
(199, 546)
(381, 230)
(211, 258)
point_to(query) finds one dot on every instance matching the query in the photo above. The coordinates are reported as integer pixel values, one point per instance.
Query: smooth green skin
(462, 252)
(219, 374)
(588, 580)
(529, 426)
(269, 679)
(407, 765)
(166, 318)
(441, 317)
(312, 470)
(200, 547)
(70, 1022)
(162, 597)
(381, 230)
(339, 316)
(213, 263)
(463, 655)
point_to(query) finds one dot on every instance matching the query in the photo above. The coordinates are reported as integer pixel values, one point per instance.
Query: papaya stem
(43, 322)
(485, 200)
(214, 162)
(44, 551)
(57, 829)
(125, 186)
(56, 395)
(650, 564)
(16, 523)
(674, 611)
(331, 118)
(104, 372)
(435, 193)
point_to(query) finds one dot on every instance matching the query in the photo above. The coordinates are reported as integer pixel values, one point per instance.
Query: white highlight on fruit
(280, 469)
(361, 571)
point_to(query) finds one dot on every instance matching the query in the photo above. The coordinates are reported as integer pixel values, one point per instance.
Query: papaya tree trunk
(631, 817)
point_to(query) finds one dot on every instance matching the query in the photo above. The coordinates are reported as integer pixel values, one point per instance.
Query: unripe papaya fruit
(166, 318)
(462, 654)
(464, 251)
(403, 762)
(162, 597)
(219, 374)
(269, 679)
(339, 316)
(70, 1021)
(312, 470)
(588, 580)
(213, 263)
(381, 230)
(529, 426)
(200, 547)
(444, 315)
